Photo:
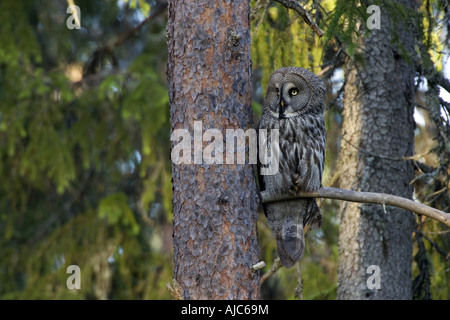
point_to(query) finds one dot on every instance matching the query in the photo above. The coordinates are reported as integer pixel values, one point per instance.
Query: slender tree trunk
(214, 205)
(378, 129)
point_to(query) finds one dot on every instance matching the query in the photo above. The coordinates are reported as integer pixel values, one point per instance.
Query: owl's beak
(281, 109)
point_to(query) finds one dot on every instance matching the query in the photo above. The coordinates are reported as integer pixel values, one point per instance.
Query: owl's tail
(291, 245)
(291, 239)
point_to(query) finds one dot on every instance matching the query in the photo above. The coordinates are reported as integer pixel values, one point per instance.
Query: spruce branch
(174, 290)
(291, 4)
(108, 49)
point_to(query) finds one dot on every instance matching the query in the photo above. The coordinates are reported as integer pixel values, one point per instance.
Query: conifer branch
(174, 290)
(291, 4)
(107, 50)
(366, 197)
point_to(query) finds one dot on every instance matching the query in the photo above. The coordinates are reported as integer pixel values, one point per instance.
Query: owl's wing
(322, 145)
(307, 156)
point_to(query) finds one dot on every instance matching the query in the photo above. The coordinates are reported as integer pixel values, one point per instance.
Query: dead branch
(299, 289)
(291, 4)
(366, 197)
(276, 265)
(258, 266)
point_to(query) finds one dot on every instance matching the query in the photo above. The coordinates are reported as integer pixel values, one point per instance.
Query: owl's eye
(293, 92)
(277, 91)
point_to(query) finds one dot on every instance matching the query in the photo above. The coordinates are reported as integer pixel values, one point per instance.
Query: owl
(294, 104)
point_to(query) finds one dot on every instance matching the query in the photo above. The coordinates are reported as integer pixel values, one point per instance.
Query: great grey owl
(294, 105)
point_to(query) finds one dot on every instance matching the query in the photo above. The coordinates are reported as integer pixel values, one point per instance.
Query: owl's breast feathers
(302, 146)
(302, 153)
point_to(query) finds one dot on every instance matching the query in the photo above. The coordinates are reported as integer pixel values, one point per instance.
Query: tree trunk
(214, 205)
(378, 130)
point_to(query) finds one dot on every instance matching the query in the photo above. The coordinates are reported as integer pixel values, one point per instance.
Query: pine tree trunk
(214, 205)
(378, 129)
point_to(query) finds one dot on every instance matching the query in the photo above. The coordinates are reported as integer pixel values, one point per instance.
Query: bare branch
(402, 158)
(291, 4)
(422, 167)
(299, 289)
(442, 81)
(258, 266)
(276, 265)
(435, 245)
(366, 197)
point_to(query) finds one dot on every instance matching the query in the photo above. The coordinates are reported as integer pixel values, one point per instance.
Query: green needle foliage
(83, 157)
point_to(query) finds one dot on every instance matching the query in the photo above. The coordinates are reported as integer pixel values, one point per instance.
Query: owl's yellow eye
(278, 91)
(293, 92)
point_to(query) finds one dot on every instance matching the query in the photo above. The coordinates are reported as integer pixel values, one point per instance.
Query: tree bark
(378, 120)
(214, 205)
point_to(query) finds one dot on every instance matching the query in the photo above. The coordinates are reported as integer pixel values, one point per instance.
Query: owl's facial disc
(293, 98)
(287, 91)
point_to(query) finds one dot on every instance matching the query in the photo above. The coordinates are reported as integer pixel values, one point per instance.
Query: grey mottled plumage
(294, 105)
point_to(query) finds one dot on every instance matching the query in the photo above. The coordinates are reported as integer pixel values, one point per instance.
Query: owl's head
(293, 91)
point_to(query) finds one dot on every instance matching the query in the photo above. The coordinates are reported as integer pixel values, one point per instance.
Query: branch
(276, 265)
(375, 154)
(109, 47)
(435, 245)
(442, 81)
(291, 4)
(174, 290)
(446, 106)
(156, 10)
(299, 289)
(366, 197)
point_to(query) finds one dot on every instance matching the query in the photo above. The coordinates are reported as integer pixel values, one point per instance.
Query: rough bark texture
(215, 206)
(378, 120)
